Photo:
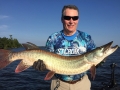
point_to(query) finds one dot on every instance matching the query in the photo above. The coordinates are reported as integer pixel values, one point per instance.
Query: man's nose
(71, 20)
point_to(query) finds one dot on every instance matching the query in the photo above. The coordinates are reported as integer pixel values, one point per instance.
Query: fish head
(100, 53)
(108, 49)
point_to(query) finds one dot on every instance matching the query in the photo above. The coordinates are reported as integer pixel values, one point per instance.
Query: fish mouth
(107, 46)
(114, 47)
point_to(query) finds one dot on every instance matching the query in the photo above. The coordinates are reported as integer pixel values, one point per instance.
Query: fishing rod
(112, 85)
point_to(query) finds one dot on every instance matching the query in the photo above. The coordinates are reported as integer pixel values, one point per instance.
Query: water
(32, 79)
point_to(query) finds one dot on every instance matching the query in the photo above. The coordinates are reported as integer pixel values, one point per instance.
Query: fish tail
(4, 58)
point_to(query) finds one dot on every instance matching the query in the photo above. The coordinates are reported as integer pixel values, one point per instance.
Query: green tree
(6, 43)
(10, 36)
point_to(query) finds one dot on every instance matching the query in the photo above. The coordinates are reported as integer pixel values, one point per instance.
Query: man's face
(70, 24)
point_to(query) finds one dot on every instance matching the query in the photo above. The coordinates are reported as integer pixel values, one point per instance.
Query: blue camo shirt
(76, 44)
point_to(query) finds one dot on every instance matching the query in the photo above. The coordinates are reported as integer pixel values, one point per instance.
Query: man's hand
(39, 65)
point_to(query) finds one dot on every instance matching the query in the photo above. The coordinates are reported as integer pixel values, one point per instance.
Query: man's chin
(71, 30)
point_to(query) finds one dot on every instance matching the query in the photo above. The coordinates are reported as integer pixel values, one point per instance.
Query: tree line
(7, 43)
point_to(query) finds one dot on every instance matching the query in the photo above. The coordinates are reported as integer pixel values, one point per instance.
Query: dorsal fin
(30, 46)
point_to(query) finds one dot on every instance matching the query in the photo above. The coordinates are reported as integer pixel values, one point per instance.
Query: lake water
(32, 79)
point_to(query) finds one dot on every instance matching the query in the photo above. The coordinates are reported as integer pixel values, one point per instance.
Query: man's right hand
(39, 65)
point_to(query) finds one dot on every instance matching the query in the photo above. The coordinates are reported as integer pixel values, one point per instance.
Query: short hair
(70, 7)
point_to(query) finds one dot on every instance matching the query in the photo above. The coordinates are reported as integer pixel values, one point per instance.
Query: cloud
(4, 32)
(3, 16)
(3, 27)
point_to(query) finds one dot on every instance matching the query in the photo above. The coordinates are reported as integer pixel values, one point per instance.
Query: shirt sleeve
(50, 44)
(90, 43)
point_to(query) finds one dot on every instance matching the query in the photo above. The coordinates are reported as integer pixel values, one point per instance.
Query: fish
(55, 63)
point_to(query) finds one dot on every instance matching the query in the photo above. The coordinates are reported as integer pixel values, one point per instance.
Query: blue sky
(35, 20)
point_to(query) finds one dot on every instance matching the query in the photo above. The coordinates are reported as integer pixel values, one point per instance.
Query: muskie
(67, 65)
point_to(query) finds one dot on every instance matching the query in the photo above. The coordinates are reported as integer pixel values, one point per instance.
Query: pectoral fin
(93, 72)
(21, 67)
(49, 75)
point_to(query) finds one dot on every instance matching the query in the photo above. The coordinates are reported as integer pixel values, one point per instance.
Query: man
(69, 42)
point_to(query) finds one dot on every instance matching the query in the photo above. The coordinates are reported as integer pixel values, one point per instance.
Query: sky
(35, 20)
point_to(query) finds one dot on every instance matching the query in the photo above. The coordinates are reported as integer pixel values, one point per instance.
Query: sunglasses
(69, 17)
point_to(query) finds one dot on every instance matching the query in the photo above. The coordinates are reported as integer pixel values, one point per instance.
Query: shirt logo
(71, 51)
